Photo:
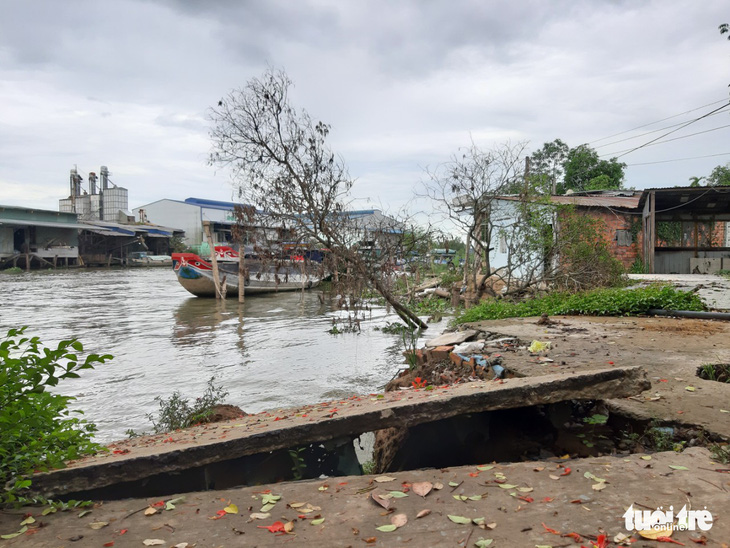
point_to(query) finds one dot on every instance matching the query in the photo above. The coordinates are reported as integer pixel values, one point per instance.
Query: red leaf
(122, 531)
(547, 499)
(276, 527)
(567, 472)
(575, 536)
(474, 474)
(527, 499)
(109, 543)
(549, 530)
(158, 504)
(667, 539)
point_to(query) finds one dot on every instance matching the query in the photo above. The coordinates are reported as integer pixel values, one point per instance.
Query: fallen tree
(281, 163)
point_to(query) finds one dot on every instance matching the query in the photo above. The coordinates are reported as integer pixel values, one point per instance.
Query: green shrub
(599, 302)
(177, 412)
(38, 431)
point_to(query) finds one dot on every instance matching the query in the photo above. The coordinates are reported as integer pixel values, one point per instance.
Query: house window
(623, 238)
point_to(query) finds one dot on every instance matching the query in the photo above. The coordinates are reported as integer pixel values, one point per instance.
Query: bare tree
(281, 164)
(466, 190)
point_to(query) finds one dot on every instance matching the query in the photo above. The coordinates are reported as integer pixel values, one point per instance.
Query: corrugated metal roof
(621, 202)
(28, 222)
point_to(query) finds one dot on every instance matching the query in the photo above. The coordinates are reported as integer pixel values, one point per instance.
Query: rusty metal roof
(625, 201)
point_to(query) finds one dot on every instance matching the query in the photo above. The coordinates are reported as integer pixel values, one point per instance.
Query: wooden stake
(213, 260)
(241, 273)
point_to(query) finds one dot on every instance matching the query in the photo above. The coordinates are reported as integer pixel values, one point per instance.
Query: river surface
(274, 351)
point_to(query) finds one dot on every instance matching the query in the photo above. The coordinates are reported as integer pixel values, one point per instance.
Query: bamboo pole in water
(213, 260)
(241, 273)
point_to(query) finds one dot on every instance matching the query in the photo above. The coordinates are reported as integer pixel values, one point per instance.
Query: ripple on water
(273, 352)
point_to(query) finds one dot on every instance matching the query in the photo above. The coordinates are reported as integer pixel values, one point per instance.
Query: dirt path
(671, 350)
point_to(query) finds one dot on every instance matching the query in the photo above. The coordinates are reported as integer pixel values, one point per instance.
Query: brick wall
(613, 222)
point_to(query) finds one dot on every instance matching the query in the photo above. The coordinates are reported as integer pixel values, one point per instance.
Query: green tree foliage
(38, 431)
(556, 168)
(584, 170)
(547, 166)
(720, 176)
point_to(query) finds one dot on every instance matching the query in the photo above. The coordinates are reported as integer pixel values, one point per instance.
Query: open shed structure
(685, 229)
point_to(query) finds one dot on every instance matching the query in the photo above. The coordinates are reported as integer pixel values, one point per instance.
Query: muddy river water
(274, 351)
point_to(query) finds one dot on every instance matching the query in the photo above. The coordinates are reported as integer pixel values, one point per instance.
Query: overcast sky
(404, 84)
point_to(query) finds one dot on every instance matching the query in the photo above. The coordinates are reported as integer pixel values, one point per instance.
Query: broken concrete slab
(146, 457)
(451, 339)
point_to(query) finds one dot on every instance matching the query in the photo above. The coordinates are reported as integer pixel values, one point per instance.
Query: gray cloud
(127, 83)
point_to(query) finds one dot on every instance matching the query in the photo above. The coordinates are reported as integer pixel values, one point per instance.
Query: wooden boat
(268, 275)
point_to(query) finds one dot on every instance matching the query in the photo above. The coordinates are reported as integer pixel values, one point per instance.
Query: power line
(673, 131)
(650, 132)
(652, 143)
(679, 159)
(658, 121)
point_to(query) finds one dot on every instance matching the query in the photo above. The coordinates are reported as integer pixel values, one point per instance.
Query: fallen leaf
(387, 528)
(150, 511)
(276, 527)
(399, 520)
(384, 479)
(598, 486)
(690, 388)
(507, 486)
(296, 504)
(98, 524)
(181, 545)
(459, 519)
(260, 515)
(318, 521)
(549, 530)
(397, 494)
(539, 468)
(153, 542)
(423, 513)
(422, 488)
(645, 457)
(453, 484)
(677, 467)
(231, 509)
(323, 487)
(653, 534)
(289, 526)
(590, 476)
(438, 485)
(702, 539)
(485, 467)
(370, 540)
(566, 472)
(525, 489)
(385, 503)
(16, 534)
(28, 520)
(106, 545)
(554, 477)
(483, 542)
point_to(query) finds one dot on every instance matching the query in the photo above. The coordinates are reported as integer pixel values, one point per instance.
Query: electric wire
(673, 131)
(663, 142)
(658, 121)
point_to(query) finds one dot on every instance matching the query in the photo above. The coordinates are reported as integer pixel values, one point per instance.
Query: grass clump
(177, 412)
(598, 302)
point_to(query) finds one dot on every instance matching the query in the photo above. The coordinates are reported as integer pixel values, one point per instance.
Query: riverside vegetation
(38, 430)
